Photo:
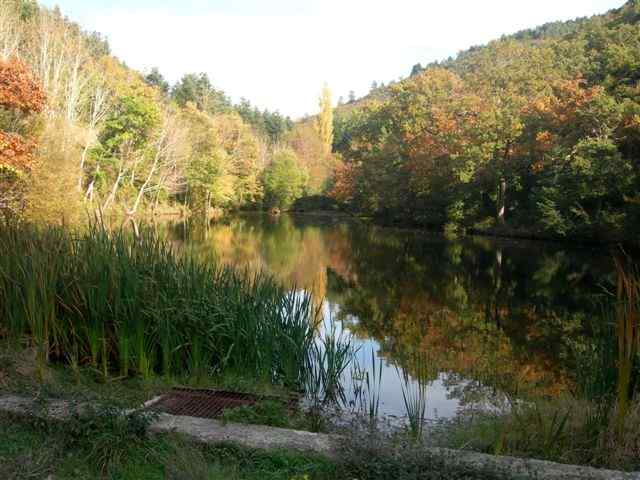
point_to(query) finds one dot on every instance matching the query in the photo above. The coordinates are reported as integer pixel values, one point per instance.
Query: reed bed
(127, 304)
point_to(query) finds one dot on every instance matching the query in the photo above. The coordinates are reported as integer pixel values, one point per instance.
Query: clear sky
(278, 53)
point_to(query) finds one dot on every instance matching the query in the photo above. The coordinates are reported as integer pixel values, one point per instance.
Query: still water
(480, 320)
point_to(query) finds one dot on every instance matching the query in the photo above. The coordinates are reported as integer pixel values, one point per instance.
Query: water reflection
(493, 318)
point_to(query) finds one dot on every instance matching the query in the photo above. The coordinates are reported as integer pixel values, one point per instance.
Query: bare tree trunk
(9, 33)
(502, 200)
(83, 158)
(89, 193)
(161, 148)
(114, 189)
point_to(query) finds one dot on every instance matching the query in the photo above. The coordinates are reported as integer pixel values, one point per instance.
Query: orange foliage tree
(20, 94)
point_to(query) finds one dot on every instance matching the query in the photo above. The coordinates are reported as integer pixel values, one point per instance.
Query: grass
(599, 423)
(37, 451)
(128, 305)
(564, 430)
(373, 455)
(101, 445)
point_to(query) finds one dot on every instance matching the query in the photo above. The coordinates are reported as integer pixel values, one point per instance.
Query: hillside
(535, 133)
(104, 137)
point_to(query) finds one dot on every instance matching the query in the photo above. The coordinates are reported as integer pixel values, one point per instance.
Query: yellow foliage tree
(324, 124)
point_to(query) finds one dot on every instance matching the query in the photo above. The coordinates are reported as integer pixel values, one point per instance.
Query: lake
(479, 320)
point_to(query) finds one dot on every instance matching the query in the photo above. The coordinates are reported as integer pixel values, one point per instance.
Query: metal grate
(209, 403)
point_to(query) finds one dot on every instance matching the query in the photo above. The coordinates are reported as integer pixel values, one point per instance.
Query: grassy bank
(116, 450)
(128, 305)
(103, 446)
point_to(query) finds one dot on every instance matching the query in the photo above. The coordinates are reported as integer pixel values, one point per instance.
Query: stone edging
(263, 437)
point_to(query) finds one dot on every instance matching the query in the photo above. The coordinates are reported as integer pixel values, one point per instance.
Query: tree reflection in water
(495, 318)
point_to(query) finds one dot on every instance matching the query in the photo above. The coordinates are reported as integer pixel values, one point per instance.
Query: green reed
(126, 304)
(367, 387)
(628, 333)
(329, 357)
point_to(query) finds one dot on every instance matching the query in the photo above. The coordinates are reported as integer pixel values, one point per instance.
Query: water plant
(329, 357)
(414, 397)
(367, 385)
(628, 330)
(127, 304)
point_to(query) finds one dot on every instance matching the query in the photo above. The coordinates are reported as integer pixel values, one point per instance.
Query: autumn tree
(122, 149)
(20, 97)
(310, 152)
(324, 123)
(243, 152)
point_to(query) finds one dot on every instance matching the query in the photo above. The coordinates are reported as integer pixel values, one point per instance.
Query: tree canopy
(537, 133)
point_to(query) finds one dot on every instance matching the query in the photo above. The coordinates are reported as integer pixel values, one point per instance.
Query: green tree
(417, 68)
(156, 79)
(284, 179)
(198, 89)
(123, 144)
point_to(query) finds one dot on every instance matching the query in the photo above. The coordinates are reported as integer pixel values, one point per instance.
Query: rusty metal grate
(203, 403)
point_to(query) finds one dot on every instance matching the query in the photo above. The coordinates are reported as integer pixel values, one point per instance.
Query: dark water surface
(481, 320)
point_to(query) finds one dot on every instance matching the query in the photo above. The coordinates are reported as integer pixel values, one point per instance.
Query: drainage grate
(209, 403)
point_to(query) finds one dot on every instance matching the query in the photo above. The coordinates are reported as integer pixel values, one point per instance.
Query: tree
(19, 90)
(197, 88)
(270, 124)
(284, 179)
(155, 79)
(324, 124)
(122, 144)
(310, 152)
(20, 97)
(243, 151)
(352, 96)
(417, 68)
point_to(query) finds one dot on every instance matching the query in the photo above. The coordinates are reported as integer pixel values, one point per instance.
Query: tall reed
(127, 304)
(628, 330)
(414, 396)
(367, 385)
(329, 357)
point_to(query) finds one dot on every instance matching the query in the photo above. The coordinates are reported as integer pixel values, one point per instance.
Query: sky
(279, 53)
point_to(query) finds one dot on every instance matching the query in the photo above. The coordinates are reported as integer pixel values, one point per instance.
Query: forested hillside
(81, 132)
(536, 133)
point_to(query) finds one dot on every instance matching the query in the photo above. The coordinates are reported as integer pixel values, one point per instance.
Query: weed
(265, 412)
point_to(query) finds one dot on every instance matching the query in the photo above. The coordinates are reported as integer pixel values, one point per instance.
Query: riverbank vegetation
(103, 304)
(127, 304)
(534, 133)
